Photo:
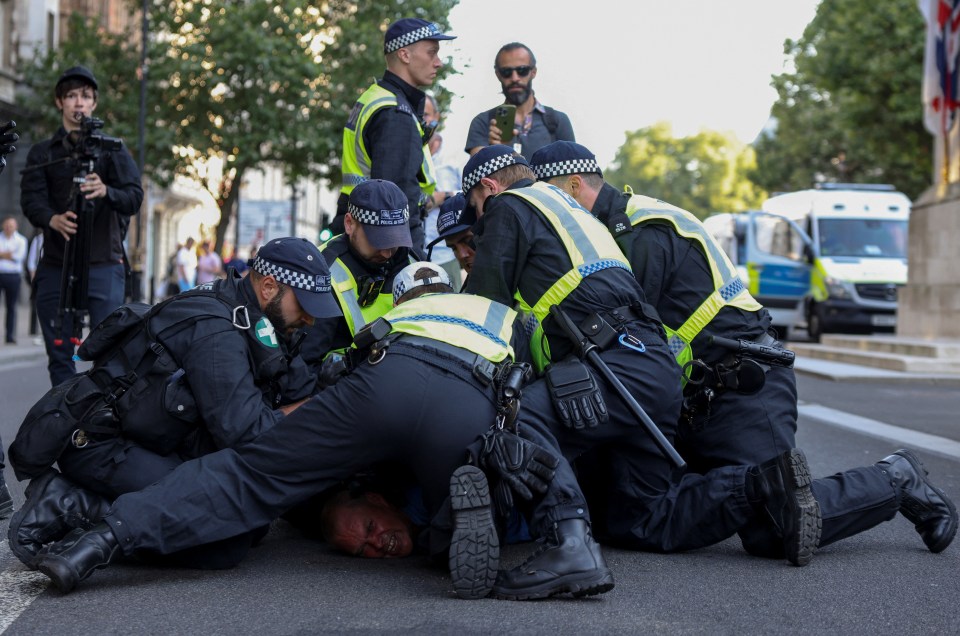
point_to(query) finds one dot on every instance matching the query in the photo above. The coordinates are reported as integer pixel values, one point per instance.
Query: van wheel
(814, 324)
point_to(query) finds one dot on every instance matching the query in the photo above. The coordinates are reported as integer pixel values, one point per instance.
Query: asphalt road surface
(881, 581)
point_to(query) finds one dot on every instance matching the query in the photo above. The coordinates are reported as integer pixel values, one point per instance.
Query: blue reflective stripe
(676, 344)
(354, 179)
(731, 289)
(469, 324)
(592, 268)
(569, 222)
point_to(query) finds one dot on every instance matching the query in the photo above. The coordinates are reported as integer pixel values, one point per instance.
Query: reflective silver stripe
(570, 222)
(340, 274)
(495, 318)
(358, 149)
(684, 223)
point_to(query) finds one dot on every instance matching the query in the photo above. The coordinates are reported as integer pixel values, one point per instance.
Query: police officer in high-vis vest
(363, 260)
(698, 294)
(419, 397)
(219, 375)
(536, 246)
(384, 136)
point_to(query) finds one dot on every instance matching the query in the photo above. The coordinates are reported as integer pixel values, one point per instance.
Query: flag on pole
(941, 64)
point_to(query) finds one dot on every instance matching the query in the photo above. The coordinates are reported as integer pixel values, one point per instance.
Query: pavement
(28, 347)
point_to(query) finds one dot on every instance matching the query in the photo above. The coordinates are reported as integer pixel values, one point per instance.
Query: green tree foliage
(851, 110)
(704, 173)
(235, 84)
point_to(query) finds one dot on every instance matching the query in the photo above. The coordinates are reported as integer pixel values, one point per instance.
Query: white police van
(858, 253)
(770, 251)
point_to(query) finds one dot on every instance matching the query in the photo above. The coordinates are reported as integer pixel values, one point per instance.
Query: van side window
(776, 236)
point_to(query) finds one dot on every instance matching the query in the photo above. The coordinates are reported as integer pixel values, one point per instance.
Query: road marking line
(874, 428)
(18, 588)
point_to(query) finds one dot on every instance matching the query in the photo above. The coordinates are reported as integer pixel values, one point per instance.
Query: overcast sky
(620, 65)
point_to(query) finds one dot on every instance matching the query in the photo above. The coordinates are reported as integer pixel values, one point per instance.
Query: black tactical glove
(332, 369)
(7, 138)
(522, 466)
(576, 395)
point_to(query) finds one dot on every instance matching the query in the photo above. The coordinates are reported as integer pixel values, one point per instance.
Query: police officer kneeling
(205, 370)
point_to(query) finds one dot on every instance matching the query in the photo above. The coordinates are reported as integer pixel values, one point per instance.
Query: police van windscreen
(863, 238)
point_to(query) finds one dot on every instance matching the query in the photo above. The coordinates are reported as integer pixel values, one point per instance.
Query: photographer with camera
(93, 216)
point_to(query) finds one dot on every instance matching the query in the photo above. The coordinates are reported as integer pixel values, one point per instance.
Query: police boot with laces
(923, 504)
(569, 562)
(780, 489)
(54, 506)
(77, 555)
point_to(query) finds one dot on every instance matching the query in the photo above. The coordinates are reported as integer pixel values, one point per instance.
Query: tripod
(74, 277)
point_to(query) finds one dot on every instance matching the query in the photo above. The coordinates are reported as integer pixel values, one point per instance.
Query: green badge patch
(266, 333)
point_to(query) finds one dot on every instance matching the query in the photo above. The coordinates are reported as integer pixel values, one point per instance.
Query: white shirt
(17, 245)
(187, 258)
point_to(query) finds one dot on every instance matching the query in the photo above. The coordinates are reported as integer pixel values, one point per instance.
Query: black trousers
(747, 430)
(115, 466)
(106, 289)
(406, 409)
(10, 287)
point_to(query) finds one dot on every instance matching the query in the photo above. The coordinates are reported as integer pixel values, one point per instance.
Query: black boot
(54, 506)
(6, 501)
(926, 506)
(569, 561)
(474, 548)
(74, 558)
(780, 488)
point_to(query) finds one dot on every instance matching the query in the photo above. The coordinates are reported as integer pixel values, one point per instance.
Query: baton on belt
(586, 350)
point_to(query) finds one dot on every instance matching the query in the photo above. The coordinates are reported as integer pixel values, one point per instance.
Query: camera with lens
(91, 143)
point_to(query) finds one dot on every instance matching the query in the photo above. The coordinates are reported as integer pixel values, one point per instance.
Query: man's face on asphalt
(515, 88)
(423, 62)
(370, 527)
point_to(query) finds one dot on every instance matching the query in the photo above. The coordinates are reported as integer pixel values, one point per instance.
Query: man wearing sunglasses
(363, 261)
(535, 125)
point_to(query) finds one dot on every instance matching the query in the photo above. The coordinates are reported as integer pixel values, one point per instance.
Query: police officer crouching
(205, 370)
(363, 261)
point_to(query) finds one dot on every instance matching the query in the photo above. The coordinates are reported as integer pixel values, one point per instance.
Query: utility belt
(743, 370)
(479, 367)
(608, 327)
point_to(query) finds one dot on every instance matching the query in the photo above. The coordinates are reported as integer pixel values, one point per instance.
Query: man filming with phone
(109, 194)
(522, 121)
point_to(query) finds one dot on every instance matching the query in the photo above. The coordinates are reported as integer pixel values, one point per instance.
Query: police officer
(384, 136)
(45, 196)
(535, 245)
(695, 289)
(227, 378)
(363, 261)
(403, 403)
(454, 225)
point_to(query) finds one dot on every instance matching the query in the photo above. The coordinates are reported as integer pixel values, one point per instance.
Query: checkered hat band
(410, 37)
(373, 217)
(486, 169)
(560, 168)
(319, 283)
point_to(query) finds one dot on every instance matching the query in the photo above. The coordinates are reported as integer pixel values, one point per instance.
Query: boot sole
(947, 538)
(578, 584)
(475, 547)
(800, 544)
(38, 484)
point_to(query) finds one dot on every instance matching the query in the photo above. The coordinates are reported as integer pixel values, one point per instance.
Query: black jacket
(45, 191)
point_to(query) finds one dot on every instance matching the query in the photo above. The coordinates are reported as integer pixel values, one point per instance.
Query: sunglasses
(506, 72)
